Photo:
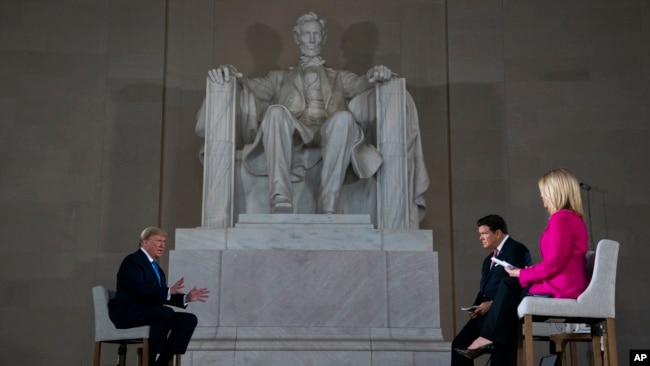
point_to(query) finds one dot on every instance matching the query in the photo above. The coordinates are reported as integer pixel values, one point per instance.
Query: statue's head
(310, 34)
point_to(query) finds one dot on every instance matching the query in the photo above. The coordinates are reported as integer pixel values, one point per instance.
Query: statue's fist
(222, 74)
(379, 73)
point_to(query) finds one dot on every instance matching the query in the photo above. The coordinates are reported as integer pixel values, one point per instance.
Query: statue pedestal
(311, 290)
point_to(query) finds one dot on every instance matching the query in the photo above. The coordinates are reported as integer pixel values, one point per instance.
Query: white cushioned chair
(594, 306)
(106, 332)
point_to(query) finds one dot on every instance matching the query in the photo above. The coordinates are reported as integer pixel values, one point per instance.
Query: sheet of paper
(502, 263)
(469, 308)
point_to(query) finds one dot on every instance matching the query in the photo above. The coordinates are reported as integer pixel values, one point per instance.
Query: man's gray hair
(151, 231)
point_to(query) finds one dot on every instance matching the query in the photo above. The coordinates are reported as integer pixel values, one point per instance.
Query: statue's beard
(310, 51)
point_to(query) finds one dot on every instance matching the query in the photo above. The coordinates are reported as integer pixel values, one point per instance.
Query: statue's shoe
(282, 207)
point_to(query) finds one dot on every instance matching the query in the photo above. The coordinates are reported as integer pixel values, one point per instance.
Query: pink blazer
(563, 247)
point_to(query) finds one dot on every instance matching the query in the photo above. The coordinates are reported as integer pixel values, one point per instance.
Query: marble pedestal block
(318, 290)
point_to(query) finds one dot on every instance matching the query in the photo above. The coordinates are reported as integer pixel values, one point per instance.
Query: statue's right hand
(222, 73)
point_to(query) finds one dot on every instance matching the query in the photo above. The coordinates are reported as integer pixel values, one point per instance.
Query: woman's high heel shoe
(475, 352)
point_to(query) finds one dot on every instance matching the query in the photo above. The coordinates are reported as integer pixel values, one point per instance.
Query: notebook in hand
(502, 263)
(469, 308)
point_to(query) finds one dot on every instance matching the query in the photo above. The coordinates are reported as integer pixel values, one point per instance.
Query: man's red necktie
(494, 255)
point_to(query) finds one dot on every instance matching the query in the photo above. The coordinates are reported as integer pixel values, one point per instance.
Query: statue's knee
(341, 120)
(275, 111)
(276, 115)
(344, 116)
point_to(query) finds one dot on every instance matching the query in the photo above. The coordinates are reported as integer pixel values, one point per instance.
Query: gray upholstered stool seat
(594, 306)
(106, 332)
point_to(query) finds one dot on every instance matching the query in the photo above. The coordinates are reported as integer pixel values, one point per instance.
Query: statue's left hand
(379, 73)
(223, 73)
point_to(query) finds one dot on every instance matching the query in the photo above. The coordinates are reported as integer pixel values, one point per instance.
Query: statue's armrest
(392, 177)
(219, 150)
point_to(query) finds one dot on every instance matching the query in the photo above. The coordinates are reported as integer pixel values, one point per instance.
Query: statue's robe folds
(341, 90)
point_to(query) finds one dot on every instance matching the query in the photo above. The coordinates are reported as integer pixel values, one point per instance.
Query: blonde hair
(561, 190)
(151, 231)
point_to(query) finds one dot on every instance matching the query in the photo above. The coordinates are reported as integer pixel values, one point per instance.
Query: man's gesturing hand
(197, 294)
(178, 286)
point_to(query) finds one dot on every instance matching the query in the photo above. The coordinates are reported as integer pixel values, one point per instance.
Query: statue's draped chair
(322, 286)
(392, 197)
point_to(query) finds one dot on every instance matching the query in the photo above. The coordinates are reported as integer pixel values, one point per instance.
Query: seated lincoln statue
(311, 115)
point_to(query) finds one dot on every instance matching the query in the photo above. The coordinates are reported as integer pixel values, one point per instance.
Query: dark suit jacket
(138, 291)
(512, 252)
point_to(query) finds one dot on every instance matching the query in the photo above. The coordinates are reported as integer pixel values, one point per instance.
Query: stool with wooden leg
(106, 332)
(562, 339)
(594, 307)
(177, 359)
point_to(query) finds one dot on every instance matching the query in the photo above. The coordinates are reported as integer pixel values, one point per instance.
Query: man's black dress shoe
(475, 352)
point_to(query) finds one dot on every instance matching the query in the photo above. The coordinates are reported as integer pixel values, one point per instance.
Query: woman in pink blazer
(560, 274)
(563, 245)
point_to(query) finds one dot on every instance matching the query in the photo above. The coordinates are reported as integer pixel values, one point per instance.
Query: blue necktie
(155, 269)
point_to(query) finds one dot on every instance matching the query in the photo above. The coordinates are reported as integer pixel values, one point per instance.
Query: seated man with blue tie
(493, 233)
(141, 296)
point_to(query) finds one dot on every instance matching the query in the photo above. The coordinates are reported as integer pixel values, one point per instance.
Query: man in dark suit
(142, 294)
(493, 233)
